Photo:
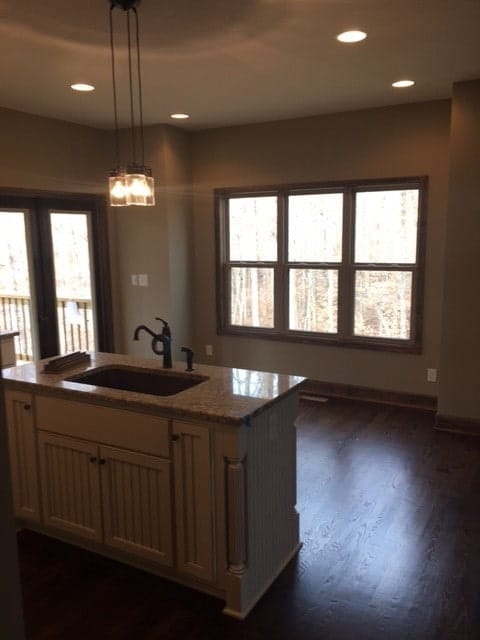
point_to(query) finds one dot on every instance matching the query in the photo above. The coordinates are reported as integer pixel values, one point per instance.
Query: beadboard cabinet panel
(137, 508)
(23, 454)
(193, 499)
(70, 485)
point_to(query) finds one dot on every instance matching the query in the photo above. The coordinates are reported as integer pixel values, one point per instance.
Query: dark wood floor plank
(391, 536)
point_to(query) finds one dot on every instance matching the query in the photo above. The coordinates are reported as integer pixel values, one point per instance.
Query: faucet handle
(190, 354)
(166, 328)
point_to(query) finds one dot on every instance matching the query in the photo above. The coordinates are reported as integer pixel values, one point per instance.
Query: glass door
(16, 294)
(54, 275)
(73, 263)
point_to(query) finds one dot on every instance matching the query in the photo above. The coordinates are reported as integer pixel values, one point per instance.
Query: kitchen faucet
(165, 337)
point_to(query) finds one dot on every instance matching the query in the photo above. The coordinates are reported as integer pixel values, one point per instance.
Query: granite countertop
(231, 396)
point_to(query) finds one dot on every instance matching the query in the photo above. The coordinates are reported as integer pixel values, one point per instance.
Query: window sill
(373, 344)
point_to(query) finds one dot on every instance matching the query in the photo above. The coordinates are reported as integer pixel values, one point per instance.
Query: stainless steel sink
(153, 381)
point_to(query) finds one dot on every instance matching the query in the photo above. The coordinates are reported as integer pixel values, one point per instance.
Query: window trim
(346, 268)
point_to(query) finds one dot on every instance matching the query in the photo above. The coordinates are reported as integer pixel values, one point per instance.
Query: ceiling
(230, 62)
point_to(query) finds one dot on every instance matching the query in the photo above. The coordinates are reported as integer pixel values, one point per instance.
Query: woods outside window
(334, 263)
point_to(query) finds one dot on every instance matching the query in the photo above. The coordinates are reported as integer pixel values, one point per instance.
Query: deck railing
(15, 316)
(74, 317)
(75, 325)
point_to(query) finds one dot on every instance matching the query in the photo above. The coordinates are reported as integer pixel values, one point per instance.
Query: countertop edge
(121, 401)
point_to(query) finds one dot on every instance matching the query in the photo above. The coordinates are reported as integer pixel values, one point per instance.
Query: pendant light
(131, 183)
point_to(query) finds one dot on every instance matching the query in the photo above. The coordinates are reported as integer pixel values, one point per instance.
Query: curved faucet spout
(165, 338)
(144, 328)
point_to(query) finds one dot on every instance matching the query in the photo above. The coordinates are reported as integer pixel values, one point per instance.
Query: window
(336, 263)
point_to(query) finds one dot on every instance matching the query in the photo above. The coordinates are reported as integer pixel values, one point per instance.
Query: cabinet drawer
(105, 425)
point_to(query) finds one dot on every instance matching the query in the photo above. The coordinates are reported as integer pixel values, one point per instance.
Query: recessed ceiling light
(351, 36)
(401, 84)
(82, 86)
(179, 116)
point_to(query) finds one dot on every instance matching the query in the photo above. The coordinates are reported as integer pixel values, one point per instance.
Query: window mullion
(223, 266)
(346, 275)
(281, 270)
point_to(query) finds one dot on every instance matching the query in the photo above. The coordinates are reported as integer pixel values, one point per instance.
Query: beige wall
(156, 241)
(409, 140)
(460, 350)
(40, 153)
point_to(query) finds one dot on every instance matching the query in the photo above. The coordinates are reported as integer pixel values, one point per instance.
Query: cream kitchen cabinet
(198, 487)
(123, 499)
(90, 477)
(70, 485)
(23, 455)
(193, 499)
(85, 486)
(137, 509)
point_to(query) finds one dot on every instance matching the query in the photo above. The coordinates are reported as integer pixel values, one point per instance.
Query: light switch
(134, 278)
(143, 279)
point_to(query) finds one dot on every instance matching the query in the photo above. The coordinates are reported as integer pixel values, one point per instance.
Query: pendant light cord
(130, 76)
(114, 85)
(140, 101)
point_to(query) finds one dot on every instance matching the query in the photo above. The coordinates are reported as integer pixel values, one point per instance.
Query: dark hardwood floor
(390, 519)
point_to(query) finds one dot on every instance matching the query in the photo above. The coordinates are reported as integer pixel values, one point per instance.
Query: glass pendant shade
(139, 189)
(150, 199)
(117, 190)
(132, 187)
(140, 186)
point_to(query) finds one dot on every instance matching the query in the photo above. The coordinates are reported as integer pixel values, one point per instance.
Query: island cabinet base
(257, 523)
(206, 504)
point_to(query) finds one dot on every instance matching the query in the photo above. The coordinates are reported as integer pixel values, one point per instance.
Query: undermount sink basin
(152, 381)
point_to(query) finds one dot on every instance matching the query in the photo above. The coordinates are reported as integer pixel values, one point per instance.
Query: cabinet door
(22, 450)
(137, 504)
(193, 499)
(70, 485)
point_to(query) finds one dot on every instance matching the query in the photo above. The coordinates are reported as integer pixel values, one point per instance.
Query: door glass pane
(251, 297)
(253, 229)
(313, 300)
(73, 281)
(315, 227)
(386, 226)
(15, 289)
(383, 304)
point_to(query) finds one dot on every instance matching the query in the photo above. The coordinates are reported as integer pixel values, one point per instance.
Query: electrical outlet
(209, 350)
(134, 279)
(431, 375)
(143, 279)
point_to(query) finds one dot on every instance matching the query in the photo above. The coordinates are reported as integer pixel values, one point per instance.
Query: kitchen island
(198, 486)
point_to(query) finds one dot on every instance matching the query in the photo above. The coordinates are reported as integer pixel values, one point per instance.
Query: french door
(54, 275)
